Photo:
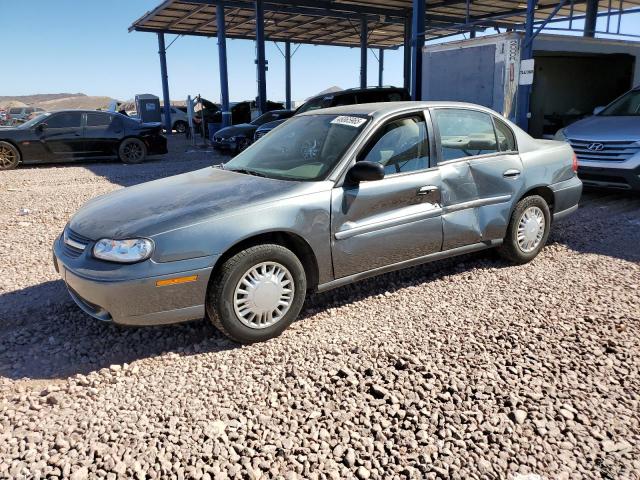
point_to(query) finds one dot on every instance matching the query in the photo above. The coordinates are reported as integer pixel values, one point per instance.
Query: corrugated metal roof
(337, 22)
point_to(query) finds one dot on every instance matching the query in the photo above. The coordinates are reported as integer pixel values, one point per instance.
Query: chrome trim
(394, 222)
(481, 202)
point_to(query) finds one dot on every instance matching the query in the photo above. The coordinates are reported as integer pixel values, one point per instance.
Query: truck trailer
(571, 75)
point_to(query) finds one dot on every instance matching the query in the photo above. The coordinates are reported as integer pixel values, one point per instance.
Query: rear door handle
(427, 189)
(513, 173)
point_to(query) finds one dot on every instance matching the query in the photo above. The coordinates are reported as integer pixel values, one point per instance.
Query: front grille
(73, 243)
(605, 151)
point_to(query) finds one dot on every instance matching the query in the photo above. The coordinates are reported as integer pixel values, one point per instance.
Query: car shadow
(43, 335)
(607, 223)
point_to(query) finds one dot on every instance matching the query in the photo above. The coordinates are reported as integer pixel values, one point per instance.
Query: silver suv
(607, 144)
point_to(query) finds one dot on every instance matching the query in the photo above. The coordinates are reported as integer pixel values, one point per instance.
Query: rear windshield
(15, 110)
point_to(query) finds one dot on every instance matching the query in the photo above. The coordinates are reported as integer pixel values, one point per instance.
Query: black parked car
(238, 137)
(351, 96)
(70, 135)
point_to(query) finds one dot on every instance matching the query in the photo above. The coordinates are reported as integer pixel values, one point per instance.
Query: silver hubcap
(263, 295)
(530, 229)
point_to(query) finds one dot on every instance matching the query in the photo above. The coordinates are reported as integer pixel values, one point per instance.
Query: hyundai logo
(596, 147)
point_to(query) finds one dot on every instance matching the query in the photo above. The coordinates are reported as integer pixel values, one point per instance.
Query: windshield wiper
(246, 171)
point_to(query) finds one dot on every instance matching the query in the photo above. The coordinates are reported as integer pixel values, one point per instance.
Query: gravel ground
(466, 368)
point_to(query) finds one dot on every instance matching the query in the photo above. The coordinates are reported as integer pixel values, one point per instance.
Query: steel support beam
(526, 52)
(261, 61)
(417, 42)
(162, 51)
(591, 18)
(380, 67)
(407, 53)
(287, 74)
(364, 31)
(222, 61)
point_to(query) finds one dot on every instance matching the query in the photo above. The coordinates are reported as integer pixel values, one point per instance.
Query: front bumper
(608, 177)
(118, 293)
(224, 143)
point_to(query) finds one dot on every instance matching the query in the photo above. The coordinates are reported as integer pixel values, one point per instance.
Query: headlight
(560, 135)
(123, 251)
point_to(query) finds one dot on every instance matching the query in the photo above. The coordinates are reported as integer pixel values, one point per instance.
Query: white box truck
(571, 75)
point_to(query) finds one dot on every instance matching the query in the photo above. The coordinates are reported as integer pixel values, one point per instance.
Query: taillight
(574, 163)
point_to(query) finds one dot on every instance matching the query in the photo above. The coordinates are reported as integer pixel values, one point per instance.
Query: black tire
(132, 150)
(511, 248)
(222, 290)
(180, 126)
(9, 156)
(241, 145)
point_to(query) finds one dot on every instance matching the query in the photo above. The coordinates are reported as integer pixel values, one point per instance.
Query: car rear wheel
(528, 230)
(180, 126)
(9, 156)
(257, 293)
(132, 150)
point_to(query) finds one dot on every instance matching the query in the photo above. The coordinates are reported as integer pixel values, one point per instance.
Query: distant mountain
(56, 101)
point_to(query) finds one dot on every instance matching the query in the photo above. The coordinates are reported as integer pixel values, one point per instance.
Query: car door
(397, 218)
(62, 135)
(481, 174)
(102, 134)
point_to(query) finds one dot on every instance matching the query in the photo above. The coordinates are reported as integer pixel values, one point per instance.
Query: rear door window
(99, 119)
(464, 133)
(346, 99)
(506, 138)
(65, 120)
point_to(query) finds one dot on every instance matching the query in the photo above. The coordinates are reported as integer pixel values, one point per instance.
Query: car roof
(384, 108)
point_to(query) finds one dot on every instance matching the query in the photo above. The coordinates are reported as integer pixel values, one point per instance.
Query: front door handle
(427, 189)
(513, 173)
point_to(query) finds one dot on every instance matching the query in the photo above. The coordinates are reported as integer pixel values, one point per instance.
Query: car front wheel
(257, 293)
(180, 126)
(132, 150)
(9, 156)
(528, 230)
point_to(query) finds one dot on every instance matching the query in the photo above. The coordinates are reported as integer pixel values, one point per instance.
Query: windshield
(313, 104)
(305, 148)
(627, 105)
(267, 117)
(34, 121)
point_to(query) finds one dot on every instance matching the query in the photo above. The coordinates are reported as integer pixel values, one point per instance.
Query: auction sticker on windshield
(349, 121)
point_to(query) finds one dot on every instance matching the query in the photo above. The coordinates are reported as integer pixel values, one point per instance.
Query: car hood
(234, 130)
(272, 125)
(605, 128)
(155, 207)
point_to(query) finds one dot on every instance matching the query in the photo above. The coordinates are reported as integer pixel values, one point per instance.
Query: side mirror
(365, 172)
(597, 110)
(41, 126)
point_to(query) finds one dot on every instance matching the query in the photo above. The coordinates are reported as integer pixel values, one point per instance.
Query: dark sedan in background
(238, 137)
(72, 135)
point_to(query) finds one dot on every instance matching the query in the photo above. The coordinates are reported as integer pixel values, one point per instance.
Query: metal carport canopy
(337, 22)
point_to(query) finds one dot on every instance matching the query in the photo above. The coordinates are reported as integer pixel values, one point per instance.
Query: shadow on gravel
(43, 335)
(607, 223)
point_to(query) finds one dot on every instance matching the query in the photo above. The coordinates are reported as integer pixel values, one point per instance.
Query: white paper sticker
(526, 72)
(349, 121)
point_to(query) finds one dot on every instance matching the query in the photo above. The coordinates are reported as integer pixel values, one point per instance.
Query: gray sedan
(326, 199)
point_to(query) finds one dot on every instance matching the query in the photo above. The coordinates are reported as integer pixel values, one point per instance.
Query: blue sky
(52, 46)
